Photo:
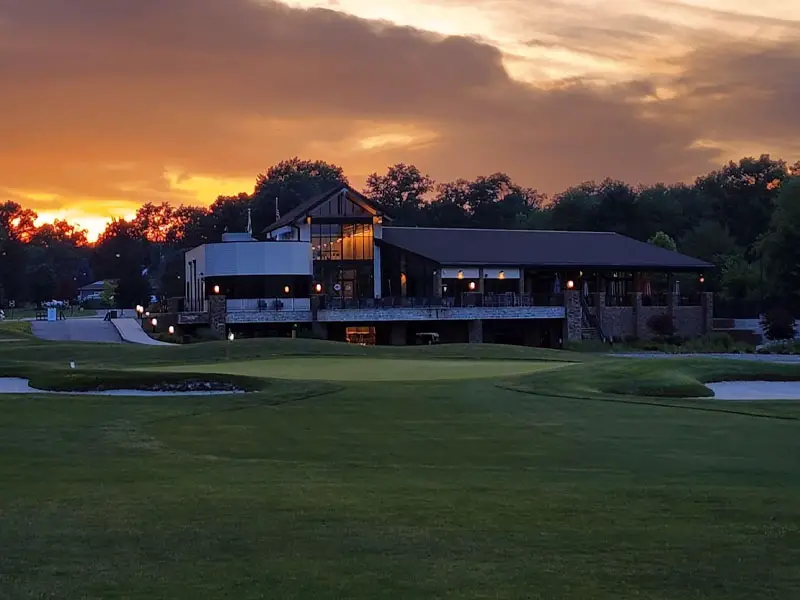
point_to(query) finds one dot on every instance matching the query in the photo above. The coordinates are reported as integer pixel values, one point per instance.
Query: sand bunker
(16, 385)
(755, 390)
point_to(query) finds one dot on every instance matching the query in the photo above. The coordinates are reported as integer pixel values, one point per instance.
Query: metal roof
(533, 248)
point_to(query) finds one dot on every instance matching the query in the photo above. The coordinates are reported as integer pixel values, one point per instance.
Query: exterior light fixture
(472, 285)
(171, 330)
(154, 321)
(231, 337)
(702, 279)
(570, 284)
(147, 314)
(318, 288)
(501, 275)
(286, 289)
(461, 274)
(216, 289)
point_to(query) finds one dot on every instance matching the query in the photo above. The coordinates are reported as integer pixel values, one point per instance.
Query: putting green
(368, 369)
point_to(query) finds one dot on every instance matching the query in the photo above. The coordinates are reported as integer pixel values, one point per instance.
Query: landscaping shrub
(94, 304)
(778, 324)
(661, 325)
(205, 334)
(781, 347)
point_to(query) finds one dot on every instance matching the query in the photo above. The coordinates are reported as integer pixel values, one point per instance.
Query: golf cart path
(130, 330)
(87, 329)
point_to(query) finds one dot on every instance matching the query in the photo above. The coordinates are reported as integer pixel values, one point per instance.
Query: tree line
(744, 218)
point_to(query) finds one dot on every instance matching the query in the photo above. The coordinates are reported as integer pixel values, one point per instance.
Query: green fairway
(368, 369)
(452, 472)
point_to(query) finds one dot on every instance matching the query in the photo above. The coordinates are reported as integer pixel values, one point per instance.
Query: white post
(377, 279)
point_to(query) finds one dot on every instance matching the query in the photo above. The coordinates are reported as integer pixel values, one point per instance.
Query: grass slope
(546, 485)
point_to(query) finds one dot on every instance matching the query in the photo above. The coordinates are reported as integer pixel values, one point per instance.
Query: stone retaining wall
(623, 321)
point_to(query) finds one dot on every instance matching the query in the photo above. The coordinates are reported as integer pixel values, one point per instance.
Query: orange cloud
(119, 103)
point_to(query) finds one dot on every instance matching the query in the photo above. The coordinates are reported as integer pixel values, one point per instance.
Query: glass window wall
(333, 241)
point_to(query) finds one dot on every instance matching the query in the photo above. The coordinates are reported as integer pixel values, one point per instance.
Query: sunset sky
(106, 104)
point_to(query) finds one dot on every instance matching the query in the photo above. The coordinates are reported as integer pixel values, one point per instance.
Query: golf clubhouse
(336, 268)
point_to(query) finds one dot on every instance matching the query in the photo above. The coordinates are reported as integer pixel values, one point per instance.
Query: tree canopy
(744, 218)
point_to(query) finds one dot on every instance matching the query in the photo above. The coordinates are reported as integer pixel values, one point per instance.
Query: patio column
(672, 298)
(480, 280)
(637, 282)
(437, 282)
(403, 276)
(521, 287)
(573, 316)
(217, 310)
(707, 301)
(377, 277)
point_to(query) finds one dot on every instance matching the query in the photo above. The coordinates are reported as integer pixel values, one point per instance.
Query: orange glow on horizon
(94, 225)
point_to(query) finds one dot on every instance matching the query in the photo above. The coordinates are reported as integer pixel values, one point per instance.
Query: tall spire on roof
(277, 210)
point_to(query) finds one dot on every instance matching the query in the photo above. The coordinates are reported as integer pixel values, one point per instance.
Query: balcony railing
(655, 300)
(690, 300)
(623, 300)
(463, 301)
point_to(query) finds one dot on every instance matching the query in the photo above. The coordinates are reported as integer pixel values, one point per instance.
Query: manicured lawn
(571, 483)
(368, 369)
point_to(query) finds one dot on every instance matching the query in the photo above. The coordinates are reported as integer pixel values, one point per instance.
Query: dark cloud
(223, 88)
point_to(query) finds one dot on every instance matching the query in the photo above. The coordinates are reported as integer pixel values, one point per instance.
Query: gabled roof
(306, 207)
(536, 248)
(89, 287)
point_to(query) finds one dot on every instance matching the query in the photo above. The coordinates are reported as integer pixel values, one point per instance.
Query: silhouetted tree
(401, 192)
(781, 247)
(292, 182)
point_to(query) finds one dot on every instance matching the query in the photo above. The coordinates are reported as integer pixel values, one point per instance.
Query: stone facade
(217, 307)
(193, 318)
(573, 322)
(269, 316)
(476, 332)
(382, 315)
(618, 321)
(623, 321)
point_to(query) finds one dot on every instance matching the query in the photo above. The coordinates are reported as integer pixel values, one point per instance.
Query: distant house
(91, 291)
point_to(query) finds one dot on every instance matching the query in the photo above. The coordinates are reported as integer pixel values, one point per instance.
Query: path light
(570, 284)
(147, 314)
(231, 337)
(171, 330)
(154, 321)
